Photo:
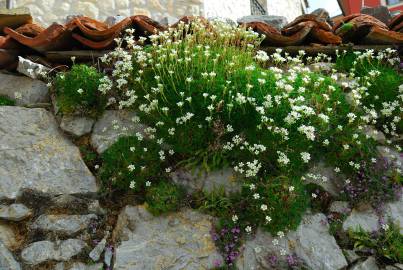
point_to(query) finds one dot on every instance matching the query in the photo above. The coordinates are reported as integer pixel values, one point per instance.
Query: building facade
(46, 12)
(354, 6)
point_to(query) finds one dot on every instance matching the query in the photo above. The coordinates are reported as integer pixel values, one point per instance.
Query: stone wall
(46, 12)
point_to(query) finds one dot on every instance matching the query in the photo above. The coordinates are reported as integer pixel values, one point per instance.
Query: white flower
(248, 229)
(132, 185)
(291, 189)
(280, 234)
(234, 218)
(148, 183)
(80, 91)
(385, 227)
(337, 169)
(131, 167)
(314, 195)
(256, 196)
(283, 252)
(282, 158)
(252, 187)
(263, 207)
(268, 219)
(132, 149)
(275, 242)
(305, 157)
(18, 95)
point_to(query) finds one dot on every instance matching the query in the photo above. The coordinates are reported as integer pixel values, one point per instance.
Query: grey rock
(351, 256)
(42, 251)
(315, 246)
(399, 265)
(323, 14)
(391, 156)
(63, 224)
(96, 253)
(177, 241)
(112, 20)
(394, 212)
(382, 13)
(258, 249)
(372, 132)
(78, 266)
(390, 267)
(325, 177)
(31, 69)
(35, 155)
(77, 126)
(24, 90)
(95, 208)
(14, 212)
(207, 181)
(7, 260)
(311, 242)
(7, 236)
(366, 219)
(111, 126)
(277, 22)
(223, 20)
(168, 20)
(108, 257)
(368, 264)
(341, 207)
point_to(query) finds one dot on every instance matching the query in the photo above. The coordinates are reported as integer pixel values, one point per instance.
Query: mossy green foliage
(77, 91)
(116, 160)
(382, 86)
(286, 201)
(208, 101)
(5, 101)
(164, 197)
(387, 243)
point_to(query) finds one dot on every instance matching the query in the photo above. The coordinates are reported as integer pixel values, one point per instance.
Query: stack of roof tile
(83, 33)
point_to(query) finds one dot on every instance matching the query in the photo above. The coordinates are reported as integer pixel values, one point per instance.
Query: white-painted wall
(232, 9)
(287, 8)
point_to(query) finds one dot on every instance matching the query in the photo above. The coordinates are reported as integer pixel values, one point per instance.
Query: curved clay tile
(87, 23)
(398, 19)
(344, 20)
(310, 17)
(30, 30)
(275, 38)
(105, 33)
(324, 37)
(56, 37)
(146, 26)
(358, 28)
(382, 36)
(97, 45)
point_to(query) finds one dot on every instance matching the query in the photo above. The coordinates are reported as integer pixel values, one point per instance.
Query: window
(394, 2)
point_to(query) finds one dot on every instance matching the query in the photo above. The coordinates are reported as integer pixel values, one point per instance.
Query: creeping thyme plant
(208, 98)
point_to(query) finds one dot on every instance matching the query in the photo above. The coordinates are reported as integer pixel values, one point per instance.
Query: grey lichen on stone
(177, 241)
(394, 212)
(113, 125)
(42, 251)
(365, 219)
(77, 126)
(326, 177)
(311, 242)
(341, 207)
(24, 90)
(78, 266)
(96, 253)
(35, 155)
(368, 264)
(14, 212)
(7, 260)
(63, 224)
